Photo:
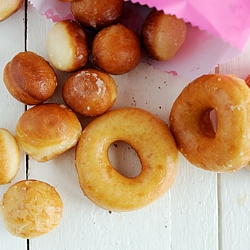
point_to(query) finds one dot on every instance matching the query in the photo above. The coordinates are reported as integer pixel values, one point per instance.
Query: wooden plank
(202, 210)
(234, 191)
(194, 209)
(83, 223)
(188, 211)
(12, 32)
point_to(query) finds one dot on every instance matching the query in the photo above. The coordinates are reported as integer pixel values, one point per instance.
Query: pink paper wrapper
(199, 54)
(228, 19)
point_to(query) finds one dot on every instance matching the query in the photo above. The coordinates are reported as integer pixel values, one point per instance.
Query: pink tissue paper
(217, 30)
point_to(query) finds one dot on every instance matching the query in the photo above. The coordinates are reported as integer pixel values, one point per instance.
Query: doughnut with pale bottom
(163, 35)
(67, 46)
(29, 78)
(47, 130)
(9, 156)
(8, 8)
(156, 149)
(221, 149)
(90, 92)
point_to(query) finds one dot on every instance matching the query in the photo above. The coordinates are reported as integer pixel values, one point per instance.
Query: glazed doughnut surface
(31, 208)
(225, 148)
(90, 92)
(47, 130)
(155, 146)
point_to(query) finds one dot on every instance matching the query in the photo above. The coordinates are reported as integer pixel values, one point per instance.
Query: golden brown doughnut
(67, 46)
(116, 49)
(154, 144)
(9, 156)
(97, 14)
(163, 35)
(47, 130)
(90, 92)
(225, 148)
(8, 8)
(29, 78)
(31, 208)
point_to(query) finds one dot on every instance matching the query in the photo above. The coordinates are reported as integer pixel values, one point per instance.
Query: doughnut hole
(47, 130)
(31, 208)
(163, 35)
(124, 159)
(8, 8)
(9, 156)
(214, 119)
(116, 49)
(67, 46)
(94, 14)
(208, 123)
(90, 92)
(29, 78)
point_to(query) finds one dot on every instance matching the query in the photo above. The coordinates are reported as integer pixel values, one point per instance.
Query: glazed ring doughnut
(224, 148)
(156, 149)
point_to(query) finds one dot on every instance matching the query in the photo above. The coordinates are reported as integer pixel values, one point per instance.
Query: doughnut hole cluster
(90, 48)
(109, 45)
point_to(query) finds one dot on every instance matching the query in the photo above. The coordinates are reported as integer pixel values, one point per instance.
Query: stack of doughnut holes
(47, 130)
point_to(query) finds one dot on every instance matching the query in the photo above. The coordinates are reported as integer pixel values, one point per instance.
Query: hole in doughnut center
(124, 159)
(208, 123)
(214, 119)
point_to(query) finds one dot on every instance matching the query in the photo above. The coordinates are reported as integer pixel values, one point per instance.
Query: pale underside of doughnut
(226, 149)
(66, 46)
(47, 130)
(9, 156)
(163, 35)
(152, 141)
(29, 78)
(7, 8)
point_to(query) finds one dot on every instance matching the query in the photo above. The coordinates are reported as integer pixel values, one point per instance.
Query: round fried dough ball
(47, 130)
(29, 78)
(8, 8)
(9, 156)
(163, 35)
(90, 92)
(116, 49)
(31, 208)
(67, 46)
(97, 14)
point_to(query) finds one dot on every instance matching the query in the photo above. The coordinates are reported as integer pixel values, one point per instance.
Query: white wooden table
(202, 210)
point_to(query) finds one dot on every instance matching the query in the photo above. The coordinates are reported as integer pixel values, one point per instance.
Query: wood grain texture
(12, 41)
(234, 188)
(202, 210)
(158, 226)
